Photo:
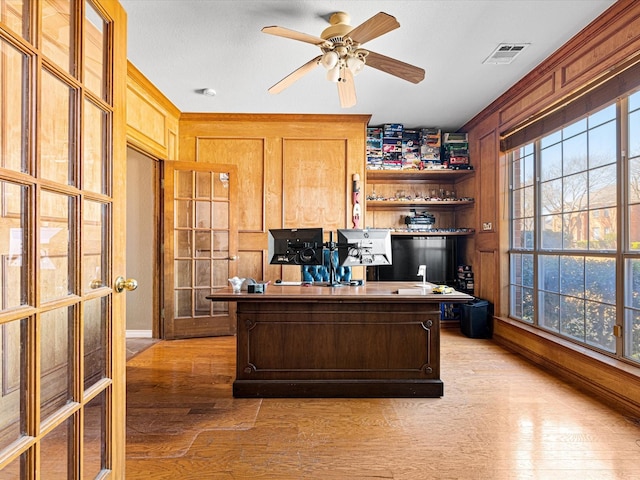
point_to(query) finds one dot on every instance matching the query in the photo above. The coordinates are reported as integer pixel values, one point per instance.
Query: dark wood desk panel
(364, 341)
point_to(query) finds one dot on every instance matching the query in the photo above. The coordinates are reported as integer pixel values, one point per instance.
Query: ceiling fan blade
(347, 89)
(295, 75)
(395, 67)
(377, 25)
(287, 33)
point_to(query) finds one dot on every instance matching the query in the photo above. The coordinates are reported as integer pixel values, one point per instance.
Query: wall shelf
(424, 233)
(441, 175)
(404, 204)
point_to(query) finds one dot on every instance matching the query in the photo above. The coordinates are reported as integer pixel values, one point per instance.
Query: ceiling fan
(343, 56)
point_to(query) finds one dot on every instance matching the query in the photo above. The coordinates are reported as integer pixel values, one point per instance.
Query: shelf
(392, 204)
(445, 175)
(425, 233)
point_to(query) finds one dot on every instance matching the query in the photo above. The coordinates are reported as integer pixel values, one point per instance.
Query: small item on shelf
(419, 220)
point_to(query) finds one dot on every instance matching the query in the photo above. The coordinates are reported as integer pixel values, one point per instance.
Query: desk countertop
(369, 292)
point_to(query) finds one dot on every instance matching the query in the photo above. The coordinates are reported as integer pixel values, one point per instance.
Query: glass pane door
(200, 248)
(61, 120)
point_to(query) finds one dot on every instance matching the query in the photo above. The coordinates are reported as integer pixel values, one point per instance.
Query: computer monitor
(296, 246)
(364, 247)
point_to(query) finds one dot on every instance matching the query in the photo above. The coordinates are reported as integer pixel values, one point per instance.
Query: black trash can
(475, 319)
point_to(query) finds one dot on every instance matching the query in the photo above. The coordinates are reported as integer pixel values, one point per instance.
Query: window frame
(619, 308)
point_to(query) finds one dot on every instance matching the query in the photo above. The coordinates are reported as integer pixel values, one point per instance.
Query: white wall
(141, 235)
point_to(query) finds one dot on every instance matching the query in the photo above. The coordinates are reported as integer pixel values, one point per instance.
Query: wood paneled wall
(295, 171)
(610, 41)
(152, 120)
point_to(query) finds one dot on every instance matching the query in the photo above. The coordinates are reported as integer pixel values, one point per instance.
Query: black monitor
(364, 247)
(296, 246)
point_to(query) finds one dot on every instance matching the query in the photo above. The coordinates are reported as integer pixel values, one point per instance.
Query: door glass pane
(13, 469)
(94, 51)
(220, 273)
(203, 243)
(183, 273)
(183, 243)
(55, 246)
(13, 117)
(183, 213)
(13, 361)
(15, 15)
(203, 185)
(93, 245)
(184, 184)
(55, 452)
(203, 273)
(221, 185)
(183, 303)
(95, 436)
(56, 361)
(95, 341)
(203, 214)
(94, 160)
(56, 144)
(220, 244)
(57, 16)
(203, 306)
(13, 246)
(221, 214)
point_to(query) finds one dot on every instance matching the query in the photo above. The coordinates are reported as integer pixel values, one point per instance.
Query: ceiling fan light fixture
(355, 64)
(333, 75)
(329, 60)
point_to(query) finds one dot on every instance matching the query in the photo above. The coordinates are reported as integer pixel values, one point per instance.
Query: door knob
(122, 284)
(232, 258)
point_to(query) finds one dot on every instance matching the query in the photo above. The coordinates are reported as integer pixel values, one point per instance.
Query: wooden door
(200, 248)
(62, 151)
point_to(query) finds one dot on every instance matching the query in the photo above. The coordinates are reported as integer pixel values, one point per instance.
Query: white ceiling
(183, 46)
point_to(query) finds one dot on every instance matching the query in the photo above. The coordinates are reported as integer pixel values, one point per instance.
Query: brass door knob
(122, 284)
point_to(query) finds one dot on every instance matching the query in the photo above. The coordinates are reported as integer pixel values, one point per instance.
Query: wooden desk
(315, 341)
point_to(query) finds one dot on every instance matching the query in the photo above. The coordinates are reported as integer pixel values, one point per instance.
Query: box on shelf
(411, 149)
(374, 142)
(455, 147)
(392, 130)
(455, 138)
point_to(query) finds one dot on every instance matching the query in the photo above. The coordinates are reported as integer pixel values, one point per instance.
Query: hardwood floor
(500, 418)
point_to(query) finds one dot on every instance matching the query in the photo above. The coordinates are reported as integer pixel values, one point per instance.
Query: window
(575, 230)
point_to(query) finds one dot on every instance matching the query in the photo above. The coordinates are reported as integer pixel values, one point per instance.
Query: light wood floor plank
(500, 418)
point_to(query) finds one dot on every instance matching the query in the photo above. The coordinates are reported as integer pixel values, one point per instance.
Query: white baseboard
(138, 334)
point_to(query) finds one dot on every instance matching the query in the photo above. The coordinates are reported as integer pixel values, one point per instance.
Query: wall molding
(614, 382)
(138, 334)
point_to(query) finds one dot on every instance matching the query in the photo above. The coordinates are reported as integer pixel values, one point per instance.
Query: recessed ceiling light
(505, 53)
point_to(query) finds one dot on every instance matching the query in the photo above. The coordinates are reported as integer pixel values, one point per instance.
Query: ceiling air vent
(505, 53)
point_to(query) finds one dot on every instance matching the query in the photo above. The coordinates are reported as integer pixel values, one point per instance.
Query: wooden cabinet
(391, 195)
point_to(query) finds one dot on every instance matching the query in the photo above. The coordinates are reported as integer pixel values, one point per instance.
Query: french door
(62, 227)
(200, 248)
